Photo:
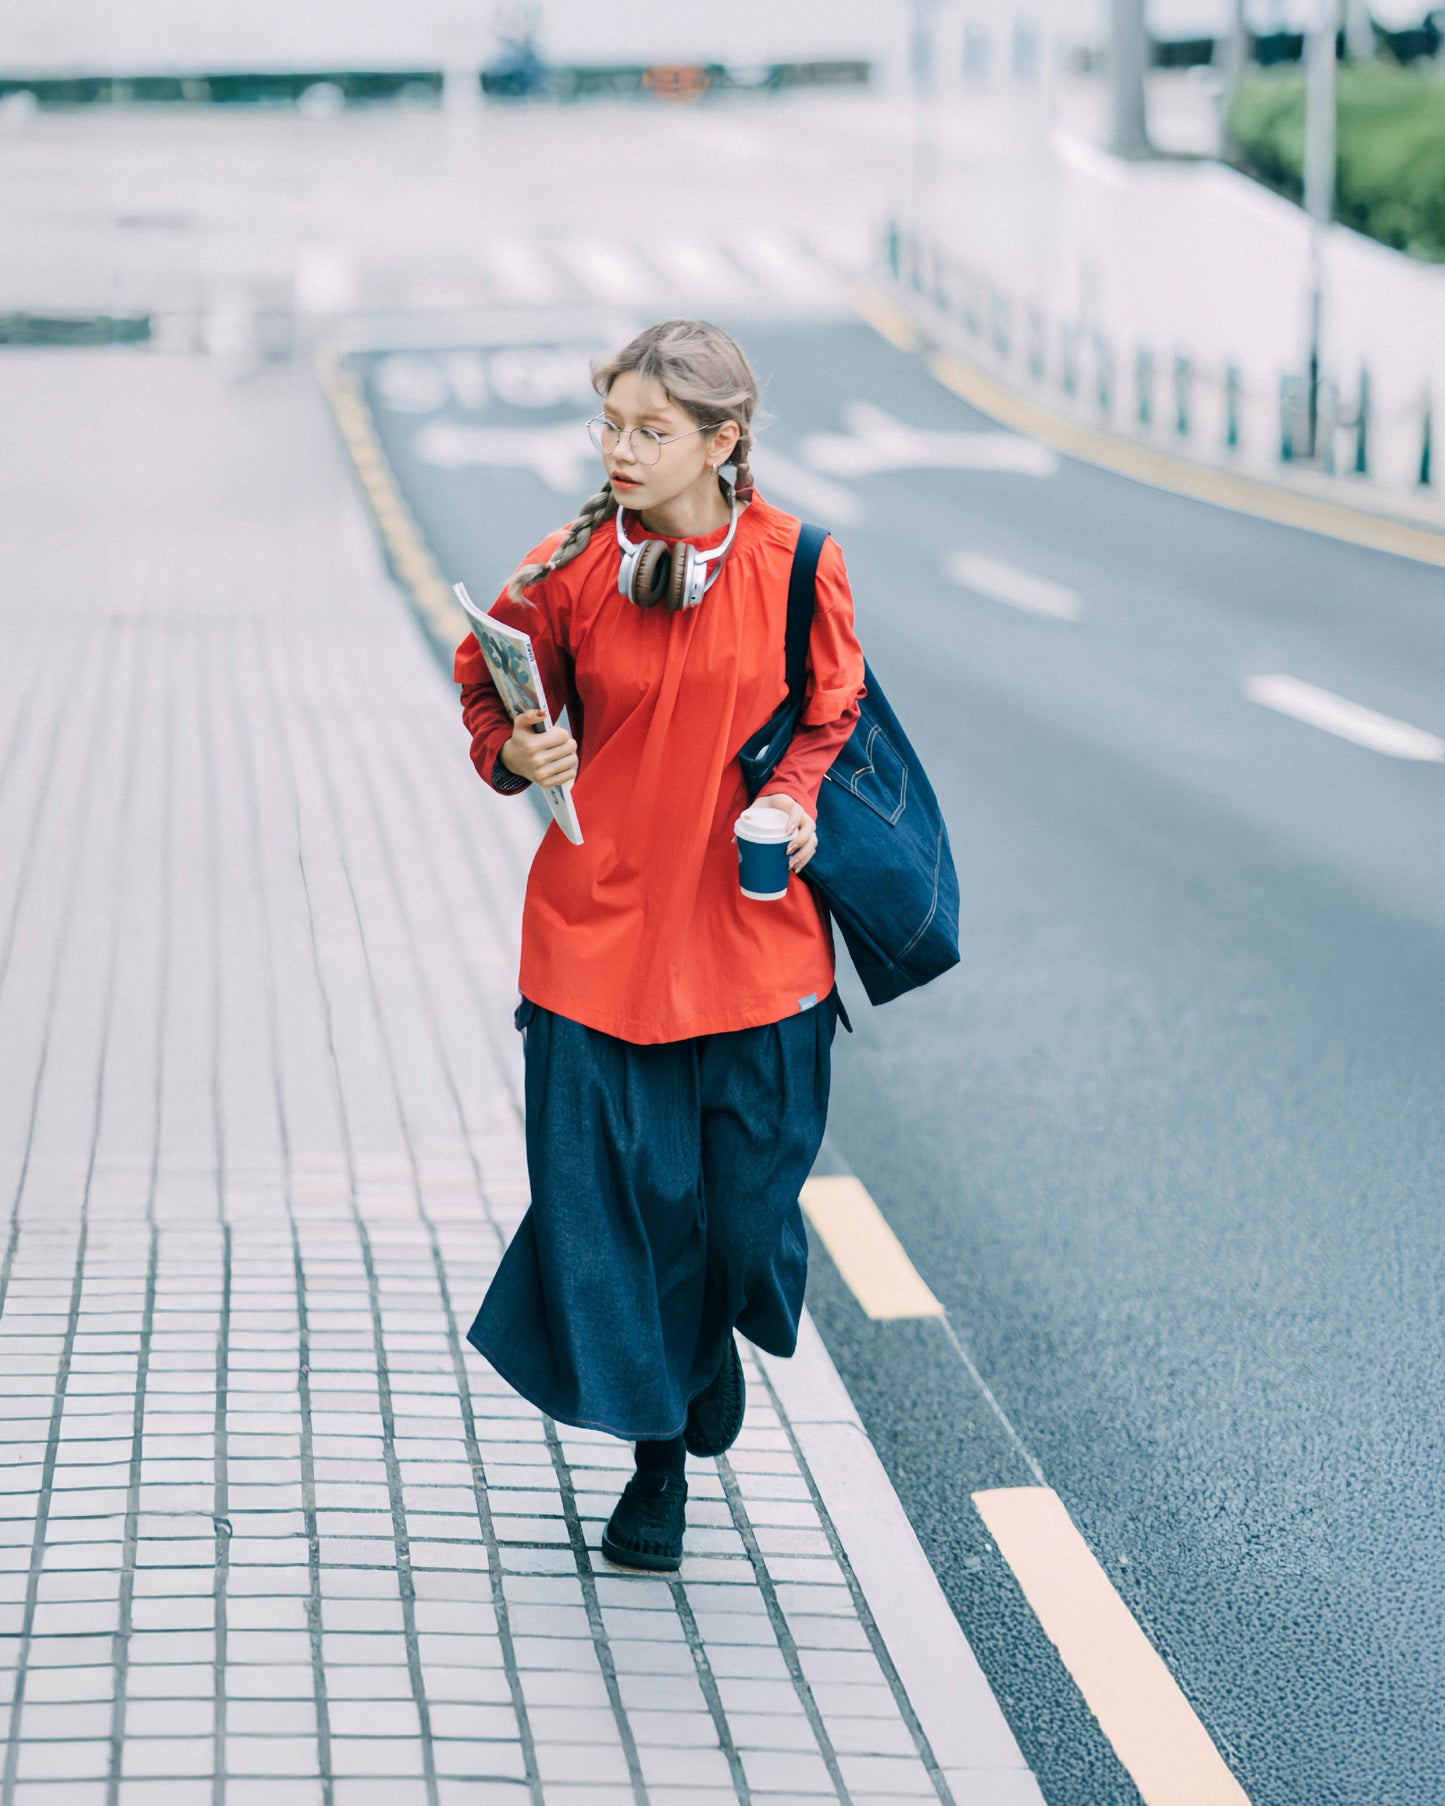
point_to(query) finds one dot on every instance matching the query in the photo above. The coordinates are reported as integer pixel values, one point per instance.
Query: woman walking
(677, 1033)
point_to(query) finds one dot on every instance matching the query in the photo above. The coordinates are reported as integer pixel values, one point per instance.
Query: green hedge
(1390, 180)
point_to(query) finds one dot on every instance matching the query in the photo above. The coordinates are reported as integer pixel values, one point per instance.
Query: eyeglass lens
(646, 444)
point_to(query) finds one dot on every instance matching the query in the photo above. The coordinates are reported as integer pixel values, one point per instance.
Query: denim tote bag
(883, 866)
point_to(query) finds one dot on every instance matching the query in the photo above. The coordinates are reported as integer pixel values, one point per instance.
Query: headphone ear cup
(652, 577)
(682, 558)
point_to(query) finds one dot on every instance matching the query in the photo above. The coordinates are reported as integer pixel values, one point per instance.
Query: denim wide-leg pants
(664, 1213)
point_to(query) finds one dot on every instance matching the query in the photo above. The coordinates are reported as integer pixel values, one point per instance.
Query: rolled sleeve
(504, 782)
(835, 659)
(832, 691)
(490, 727)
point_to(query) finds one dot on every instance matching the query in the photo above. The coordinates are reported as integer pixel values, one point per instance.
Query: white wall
(1201, 260)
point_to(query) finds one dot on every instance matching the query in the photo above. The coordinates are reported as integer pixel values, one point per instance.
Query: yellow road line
(865, 1250)
(890, 321)
(411, 557)
(1147, 464)
(1137, 1701)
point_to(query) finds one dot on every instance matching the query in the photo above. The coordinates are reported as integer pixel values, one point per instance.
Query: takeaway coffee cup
(763, 835)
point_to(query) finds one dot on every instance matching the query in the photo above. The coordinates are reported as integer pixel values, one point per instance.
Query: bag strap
(802, 586)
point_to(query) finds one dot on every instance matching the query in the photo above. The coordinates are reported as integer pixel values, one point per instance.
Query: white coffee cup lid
(761, 822)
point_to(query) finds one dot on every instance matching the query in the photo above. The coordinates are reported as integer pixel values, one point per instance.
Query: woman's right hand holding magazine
(547, 758)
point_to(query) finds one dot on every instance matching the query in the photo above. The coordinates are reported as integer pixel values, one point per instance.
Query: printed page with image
(513, 666)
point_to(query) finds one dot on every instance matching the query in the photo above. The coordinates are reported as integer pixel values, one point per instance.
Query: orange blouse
(642, 931)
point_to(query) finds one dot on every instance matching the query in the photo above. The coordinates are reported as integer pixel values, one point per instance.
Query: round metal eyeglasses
(647, 445)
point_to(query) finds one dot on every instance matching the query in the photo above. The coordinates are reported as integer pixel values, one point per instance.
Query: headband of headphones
(652, 571)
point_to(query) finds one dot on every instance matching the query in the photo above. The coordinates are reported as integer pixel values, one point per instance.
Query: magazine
(513, 666)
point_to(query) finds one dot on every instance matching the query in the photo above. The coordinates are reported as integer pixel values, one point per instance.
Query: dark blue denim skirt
(664, 1214)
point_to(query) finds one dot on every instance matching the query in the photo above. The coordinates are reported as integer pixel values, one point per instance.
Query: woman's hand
(546, 759)
(803, 842)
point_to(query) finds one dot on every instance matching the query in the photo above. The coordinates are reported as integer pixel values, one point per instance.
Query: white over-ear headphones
(652, 571)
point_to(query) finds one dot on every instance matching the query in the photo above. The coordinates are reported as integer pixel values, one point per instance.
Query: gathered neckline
(633, 523)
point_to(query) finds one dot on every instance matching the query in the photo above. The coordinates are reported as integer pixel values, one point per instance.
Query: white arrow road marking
(1020, 589)
(879, 442)
(411, 383)
(542, 376)
(467, 374)
(815, 495)
(1321, 708)
(1138, 1703)
(559, 455)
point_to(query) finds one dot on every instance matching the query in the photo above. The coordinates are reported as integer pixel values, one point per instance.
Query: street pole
(923, 76)
(1234, 51)
(1319, 176)
(1359, 31)
(1231, 57)
(1128, 66)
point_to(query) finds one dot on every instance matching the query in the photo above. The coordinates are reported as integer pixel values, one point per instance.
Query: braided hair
(707, 374)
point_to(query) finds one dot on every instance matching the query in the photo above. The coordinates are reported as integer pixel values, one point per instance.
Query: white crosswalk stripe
(520, 270)
(789, 271)
(700, 268)
(611, 272)
(769, 273)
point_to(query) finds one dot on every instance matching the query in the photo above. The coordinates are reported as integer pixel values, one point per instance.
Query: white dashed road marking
(1020, 589)
(1321, 708)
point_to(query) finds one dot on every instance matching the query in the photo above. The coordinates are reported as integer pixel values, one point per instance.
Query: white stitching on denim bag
(933, 906)
(851, 784)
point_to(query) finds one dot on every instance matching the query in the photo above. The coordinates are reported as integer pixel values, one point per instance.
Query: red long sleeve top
(643, 931)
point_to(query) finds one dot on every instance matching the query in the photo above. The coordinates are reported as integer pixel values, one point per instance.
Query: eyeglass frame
(601, 422)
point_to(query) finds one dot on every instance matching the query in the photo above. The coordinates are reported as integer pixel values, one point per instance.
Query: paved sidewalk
(269, 1531)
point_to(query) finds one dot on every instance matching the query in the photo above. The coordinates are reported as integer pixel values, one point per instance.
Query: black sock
(670, 1456)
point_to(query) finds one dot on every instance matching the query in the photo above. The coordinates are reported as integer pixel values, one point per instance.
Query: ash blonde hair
(706, 373)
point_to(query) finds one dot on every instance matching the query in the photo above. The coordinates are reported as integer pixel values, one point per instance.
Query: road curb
(949, 1692)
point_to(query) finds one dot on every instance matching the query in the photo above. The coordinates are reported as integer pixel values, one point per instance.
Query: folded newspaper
(513, 666)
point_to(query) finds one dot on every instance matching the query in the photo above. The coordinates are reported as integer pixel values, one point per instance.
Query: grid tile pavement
(269, 1531)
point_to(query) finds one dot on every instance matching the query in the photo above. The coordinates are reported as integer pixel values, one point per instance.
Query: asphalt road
(1168, 1144)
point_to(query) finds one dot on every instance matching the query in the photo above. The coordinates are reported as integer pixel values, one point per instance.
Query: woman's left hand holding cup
(803, 840)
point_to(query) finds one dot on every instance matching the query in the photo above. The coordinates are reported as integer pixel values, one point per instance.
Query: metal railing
(1199, 408)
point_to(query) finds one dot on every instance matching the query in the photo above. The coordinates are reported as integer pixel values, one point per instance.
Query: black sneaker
(716, 1415)
(645, 1529)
